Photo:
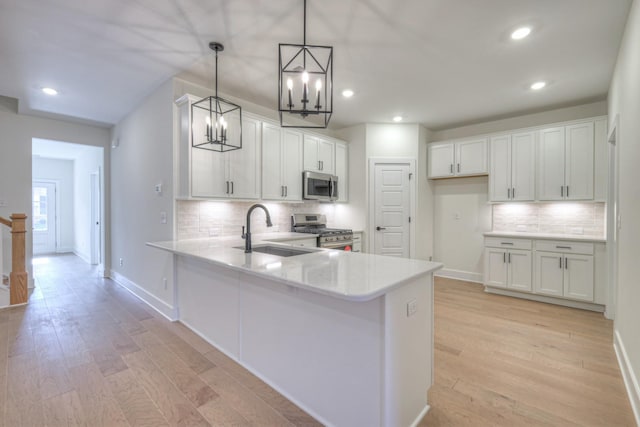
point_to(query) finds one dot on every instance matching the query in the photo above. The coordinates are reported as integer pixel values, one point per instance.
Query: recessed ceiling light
(397, 119)
(538, 85)
(49, 91)
(347, 93)
(521, 33)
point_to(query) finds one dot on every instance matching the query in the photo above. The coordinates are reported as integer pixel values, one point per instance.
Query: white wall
(60, 171)
(143, 159)
(355, 212)
(624, 100)
(16, 134)
(87, 162)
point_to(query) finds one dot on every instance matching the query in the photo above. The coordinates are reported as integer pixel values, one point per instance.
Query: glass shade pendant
(216, 124)
(305, 83)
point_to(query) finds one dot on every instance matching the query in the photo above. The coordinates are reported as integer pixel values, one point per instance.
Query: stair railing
(18, 278)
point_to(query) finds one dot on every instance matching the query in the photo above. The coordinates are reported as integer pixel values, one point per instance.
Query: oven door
(343, 245)
(319, 186)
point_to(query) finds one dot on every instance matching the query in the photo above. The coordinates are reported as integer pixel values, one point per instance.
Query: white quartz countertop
(543, 236)
(346, 275)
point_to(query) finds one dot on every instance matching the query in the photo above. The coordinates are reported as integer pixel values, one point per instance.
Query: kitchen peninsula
(346, 336)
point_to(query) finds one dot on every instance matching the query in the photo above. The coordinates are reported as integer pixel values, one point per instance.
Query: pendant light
(305, 83)
(216, 124)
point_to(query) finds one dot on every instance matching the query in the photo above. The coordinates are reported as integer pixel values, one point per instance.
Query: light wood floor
(86, 352)
(501, 361)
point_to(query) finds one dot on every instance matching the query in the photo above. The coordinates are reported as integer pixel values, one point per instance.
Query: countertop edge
(533, 236)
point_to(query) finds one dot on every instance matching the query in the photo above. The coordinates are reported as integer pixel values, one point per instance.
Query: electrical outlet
(158, 188)
(456, 215)
(412, 307)
(3, 203)
(214, 232)
(121, 262)
(163, 217)
(521, 227)
(577, 230)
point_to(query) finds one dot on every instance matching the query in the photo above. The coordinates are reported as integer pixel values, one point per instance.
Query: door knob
(380, 228)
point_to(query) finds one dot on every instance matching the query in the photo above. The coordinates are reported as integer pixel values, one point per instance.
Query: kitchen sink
(282, 251)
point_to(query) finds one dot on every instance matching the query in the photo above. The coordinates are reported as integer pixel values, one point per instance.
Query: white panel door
(311, 160)
(292, 164)
(500, 168)
(208, 173)
(523, 172)
(549, 273)
(272, 167)
(441, 159)
(244, 164)
(392, 209)
(551, 164)
(495, 267)
(471, 157)
(519, 270)
(578, 277)
(44, 217)
(342, 171)
(579, 148)
(326, 156)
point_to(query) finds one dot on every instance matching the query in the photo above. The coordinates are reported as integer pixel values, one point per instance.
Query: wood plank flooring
(86, 352)
(501, 361)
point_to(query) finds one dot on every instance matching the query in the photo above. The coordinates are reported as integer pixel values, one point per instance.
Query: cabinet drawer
(507, 243)
(566, 247)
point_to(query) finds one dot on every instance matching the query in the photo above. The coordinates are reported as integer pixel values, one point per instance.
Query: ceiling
(441, 63)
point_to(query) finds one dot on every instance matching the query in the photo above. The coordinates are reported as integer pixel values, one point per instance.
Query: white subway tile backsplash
(551, 218)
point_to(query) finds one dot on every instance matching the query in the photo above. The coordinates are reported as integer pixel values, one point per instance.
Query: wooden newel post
(18, 278)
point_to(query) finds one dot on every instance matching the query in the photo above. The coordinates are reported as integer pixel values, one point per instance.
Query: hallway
(86, 352)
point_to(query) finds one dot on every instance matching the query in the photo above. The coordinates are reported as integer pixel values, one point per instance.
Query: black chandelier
(301, 66)
(216, 124)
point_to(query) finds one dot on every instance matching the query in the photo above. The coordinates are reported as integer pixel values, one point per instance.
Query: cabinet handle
(508, 193)
(566, 264)
(513, 193)
(567, 191)
(451, 168)
(458, 167)
(227, 187)
(282, 191)
(504, 257)
(561, 262)
(286, 190)
(321, 164)
(509, 257)
(563, 247)
(562, 191)
(506, 243)
(231, 187)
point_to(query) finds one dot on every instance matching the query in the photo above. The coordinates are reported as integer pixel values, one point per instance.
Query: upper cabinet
(319, 154)
(281, 163)
(565, 166)
(457, 159)
(512, 167)
(342, 171)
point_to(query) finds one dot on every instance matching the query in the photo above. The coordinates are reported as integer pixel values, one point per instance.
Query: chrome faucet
(247, 236)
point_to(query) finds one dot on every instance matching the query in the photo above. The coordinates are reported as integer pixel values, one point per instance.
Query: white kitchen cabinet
(508, 268)
(342, 171)
(565, 166)
(319, 154)
(281, 163)
(357, 241)
(565, 274)
(458, 159)
(209, 174)
(512, 167)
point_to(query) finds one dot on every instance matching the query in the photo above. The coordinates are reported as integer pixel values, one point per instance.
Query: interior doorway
(96, 224)
(44, 217)
(391, 207)
(613, 220)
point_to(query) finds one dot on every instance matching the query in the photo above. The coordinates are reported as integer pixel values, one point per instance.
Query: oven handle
(337, 245)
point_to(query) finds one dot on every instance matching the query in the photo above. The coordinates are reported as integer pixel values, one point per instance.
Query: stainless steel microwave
(319, 186)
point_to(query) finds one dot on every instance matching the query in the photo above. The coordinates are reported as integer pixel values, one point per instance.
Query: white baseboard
(467, 276)
(151, 300)
(549, 300)
(86, 258)
(64, 250)
(629, 376)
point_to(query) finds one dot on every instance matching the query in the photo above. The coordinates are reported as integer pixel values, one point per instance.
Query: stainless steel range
(331, 238)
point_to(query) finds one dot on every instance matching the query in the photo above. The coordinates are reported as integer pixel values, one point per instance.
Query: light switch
(3, 203)
(412, 307)
(159, 188)
(163, 217)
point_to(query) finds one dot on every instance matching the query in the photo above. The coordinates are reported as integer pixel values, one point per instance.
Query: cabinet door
(551, 164)
(326, 156)
(209, 174)
(471, 158)
(523, 160)
(441, 160)
(495, 267)
(272, 167)
(578, 277)
(311, 160)
(342, 172)
(244, 164)
(579, 162)
(292, 164)
(500, 169)
(519, 270)
(549, 273)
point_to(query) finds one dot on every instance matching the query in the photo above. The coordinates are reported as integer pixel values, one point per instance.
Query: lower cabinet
(565, 275)
(509, 269)
(357, 242)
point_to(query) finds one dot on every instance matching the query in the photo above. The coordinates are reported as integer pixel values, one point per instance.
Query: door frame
(373, 162)
(96, 216)
(56, 212)
(613, 212)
